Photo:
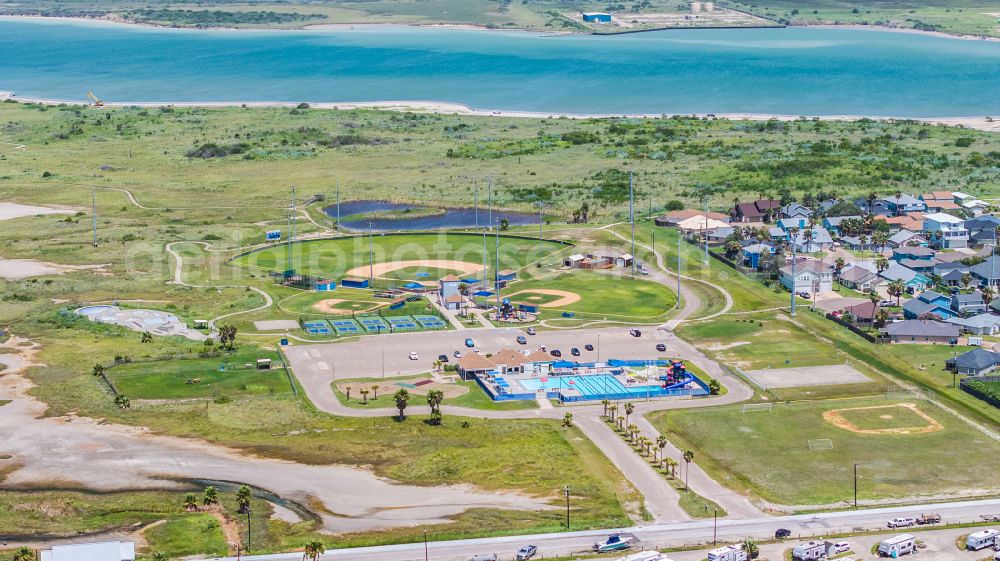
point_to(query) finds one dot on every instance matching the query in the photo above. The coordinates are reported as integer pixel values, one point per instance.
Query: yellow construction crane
(97, 101)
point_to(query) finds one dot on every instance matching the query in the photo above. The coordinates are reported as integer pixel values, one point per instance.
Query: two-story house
(946, 231)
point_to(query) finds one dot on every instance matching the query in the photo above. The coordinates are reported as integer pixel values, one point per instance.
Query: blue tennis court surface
(316, 327)
(430, 322)
(402, 323)
(374, 324)
(345, 326)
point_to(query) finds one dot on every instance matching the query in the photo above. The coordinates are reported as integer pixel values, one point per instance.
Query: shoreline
(447, 108)
(320, 27)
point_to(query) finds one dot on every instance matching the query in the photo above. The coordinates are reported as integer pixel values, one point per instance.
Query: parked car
(782, 533)
(635, 332)
(443, 358)
(902, 522)
(526, 552)
(804, 294)
(996, 556)
(839, 547)
(589, 347)
(615, 542)
(470, 343)
(522, 339)
(932, 518)
(661, 347)
(574, 351)
(457, 354)
(886, 303)
(556, 353)
(531, 331)
(414, 356)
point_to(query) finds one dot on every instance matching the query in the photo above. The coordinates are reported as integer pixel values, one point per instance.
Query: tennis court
(346, 327)
(374, 324)
(316, 327)
(430, 322)
(402, 323)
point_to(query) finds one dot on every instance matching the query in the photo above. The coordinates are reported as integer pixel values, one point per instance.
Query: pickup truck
(615, 542)
(901, 522)
(928, 519)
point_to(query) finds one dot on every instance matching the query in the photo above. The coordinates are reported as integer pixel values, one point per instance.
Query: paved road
(699, 532)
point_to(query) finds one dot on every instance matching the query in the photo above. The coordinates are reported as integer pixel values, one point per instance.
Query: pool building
(511, 375)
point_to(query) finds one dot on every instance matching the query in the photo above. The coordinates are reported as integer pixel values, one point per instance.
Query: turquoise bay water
(787, 71)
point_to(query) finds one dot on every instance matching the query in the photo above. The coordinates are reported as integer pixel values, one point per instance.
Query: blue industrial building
(597, 17)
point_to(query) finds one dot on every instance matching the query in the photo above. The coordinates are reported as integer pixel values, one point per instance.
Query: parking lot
(388, 355)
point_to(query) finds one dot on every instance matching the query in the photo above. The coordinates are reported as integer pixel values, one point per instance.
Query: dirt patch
(380, 269)
(566, 299)
(14, 269)
(727, 346)
(389, 388)
(329, 307)
(10, 211)
(835, 418)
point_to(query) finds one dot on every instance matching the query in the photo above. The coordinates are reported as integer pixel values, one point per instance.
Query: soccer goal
(756, 407)
(820, 444)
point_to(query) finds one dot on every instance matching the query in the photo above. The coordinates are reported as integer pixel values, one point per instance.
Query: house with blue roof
(928, 302)
(912, 280)
(777, 234)
(832, 223)
(787, 224)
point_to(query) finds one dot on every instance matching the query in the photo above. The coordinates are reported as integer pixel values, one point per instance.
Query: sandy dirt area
(10, 211)
(835, 418)
(388, 388)
(328, 307)
(14, 269)
(380, 269)
(81, 452)
(566, 299)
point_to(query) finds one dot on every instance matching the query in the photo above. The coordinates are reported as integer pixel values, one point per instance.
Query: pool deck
(159, 323)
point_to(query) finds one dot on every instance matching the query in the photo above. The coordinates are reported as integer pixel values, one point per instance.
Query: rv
(895, 546)
(981, 539)
(644, 556)
(809, 551)
(728, 553)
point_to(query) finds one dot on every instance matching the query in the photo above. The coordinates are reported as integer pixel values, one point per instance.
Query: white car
(901, 522)
(839, 547)
(414, 356)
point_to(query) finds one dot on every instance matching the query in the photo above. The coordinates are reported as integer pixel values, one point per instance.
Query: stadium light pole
(677, 304)
(566, 489)
(371, 255)
(792, 288)
(426, 553)
(855, 485)
(631, 217)
(93, 202)
(496, 266)
(490, 221)
(338, 204)
(475, 200)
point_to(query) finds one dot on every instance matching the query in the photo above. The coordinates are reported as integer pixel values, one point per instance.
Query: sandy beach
(984, 123)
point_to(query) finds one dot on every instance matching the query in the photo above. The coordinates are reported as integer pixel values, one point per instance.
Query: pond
(386, 215)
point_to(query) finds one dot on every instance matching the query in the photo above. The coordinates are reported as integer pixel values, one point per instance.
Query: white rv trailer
(895, 546)
(982, 539)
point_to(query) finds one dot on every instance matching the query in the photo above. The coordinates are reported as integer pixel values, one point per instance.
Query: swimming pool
(594, 385)
(95, 310)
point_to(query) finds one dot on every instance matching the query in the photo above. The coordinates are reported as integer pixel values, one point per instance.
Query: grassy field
(600, 294)
(732, 446)
(475, 397)
(227, 376)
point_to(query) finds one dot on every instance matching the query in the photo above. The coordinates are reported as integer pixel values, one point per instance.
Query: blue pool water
(597, 384)
(793, 71)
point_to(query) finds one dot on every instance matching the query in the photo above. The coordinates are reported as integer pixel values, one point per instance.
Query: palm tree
(661, 443)
(313, 550)
(881, 264)
(401, 397)
(243, 497)
(605, 403)
(838, 266)
(347, 391)
(364, 396)
(872, 197)
(98, 369)
(880, 240)
(751, 548)
(568, 420)
(210, 496)
(190, 502)
(122, 401)
(672, 466)
(434, 399)
(896, 289)
(159, 556)
(629, 409)
(966, 279)
(147, 337)
(227, 335)
(874, 298)
(881, 316)
(24, 554)
(375, 390)
(688, 458)
(613, 410)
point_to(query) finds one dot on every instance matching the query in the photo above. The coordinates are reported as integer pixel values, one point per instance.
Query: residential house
(946, 231)
(968, 304)
(720, 235)
(913, 253)
(855, 243)
(777, 234)
(913, 222)
(832, 223)
(574, 261)
(753, 254)
(877, 208)
(921, 331)
(102, 551)
(859, 278)
(939, 201)
(977, 362)
(912, 280)
(981, 324)
(951, 273)
(976, 207)
(673, 217)
(863, 313)
(983, 230)
(788, 224)
(906, 238)
(826, 205)
(988, 272)
(927, 303)
(820, 241)
(795, 210)
(904, 204)
(761, 210)
(697, 224)
(807, 275)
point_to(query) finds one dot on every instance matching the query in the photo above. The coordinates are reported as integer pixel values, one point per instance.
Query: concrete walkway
(661, 500)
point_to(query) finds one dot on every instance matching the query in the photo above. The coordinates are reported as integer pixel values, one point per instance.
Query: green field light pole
(93, 203)
(631, 217)
(715, 524)
(338, 204)
(566, 490)
(855, 485)
(677, 304)
(496, 265)
(371, 255)
(490, 220)
(475, 200)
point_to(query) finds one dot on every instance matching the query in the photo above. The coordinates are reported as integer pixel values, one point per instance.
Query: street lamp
(566, 489)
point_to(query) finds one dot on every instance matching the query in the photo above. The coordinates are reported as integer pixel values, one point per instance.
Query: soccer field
(903, 447)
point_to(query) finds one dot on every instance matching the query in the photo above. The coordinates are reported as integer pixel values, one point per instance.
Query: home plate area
(806, 376)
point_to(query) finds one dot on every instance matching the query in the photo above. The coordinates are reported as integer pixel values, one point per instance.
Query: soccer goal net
(820, 444)
(756, 407)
